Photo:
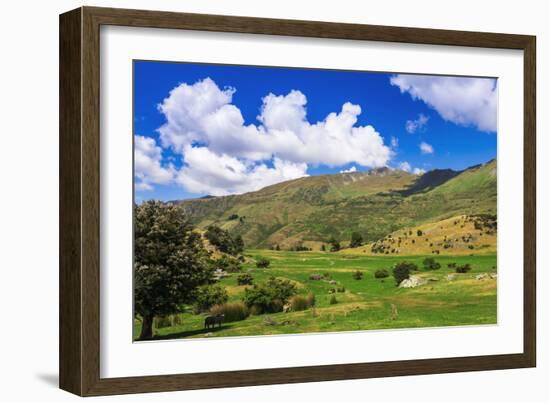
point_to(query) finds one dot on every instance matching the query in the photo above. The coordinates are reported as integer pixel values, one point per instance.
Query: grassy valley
(426, 255)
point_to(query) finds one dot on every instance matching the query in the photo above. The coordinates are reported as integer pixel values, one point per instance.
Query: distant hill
(459, 235)
(376, 203)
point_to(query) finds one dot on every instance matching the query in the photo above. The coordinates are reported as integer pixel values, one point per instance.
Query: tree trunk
(147, 328)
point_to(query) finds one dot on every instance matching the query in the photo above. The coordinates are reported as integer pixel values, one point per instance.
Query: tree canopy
(170, 262)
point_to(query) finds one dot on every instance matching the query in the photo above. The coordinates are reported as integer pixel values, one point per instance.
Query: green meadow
(344, 303)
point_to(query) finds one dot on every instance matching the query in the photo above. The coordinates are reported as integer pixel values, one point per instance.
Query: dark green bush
(381, 273)
(333, 300)
(227, 263)
(357, 275)
(245, 279)
(270, 296)
(223, 240)
(465, 268)
(262, 262)
(209, 295)
(431, 264)
(402, 271)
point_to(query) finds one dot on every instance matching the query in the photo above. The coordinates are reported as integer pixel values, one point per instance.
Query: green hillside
(311, 210)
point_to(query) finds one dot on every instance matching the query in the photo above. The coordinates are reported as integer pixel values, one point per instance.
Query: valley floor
(366, 304)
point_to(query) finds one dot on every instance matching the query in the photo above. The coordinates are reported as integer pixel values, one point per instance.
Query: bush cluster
(227, 263)
(357, 275)
(431, 264)
(381, 273)
(209, 295)
(402, 271)
(245, 279)
(223, 240)
(465, 268)
(270, 296)
(262, 262)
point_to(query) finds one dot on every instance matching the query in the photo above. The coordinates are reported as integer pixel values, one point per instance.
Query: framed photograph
(249, 201)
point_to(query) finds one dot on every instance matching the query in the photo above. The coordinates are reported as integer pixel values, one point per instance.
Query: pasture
(365, 304)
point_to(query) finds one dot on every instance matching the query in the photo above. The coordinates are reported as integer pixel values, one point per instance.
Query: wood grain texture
(80, 200)
(70, 276)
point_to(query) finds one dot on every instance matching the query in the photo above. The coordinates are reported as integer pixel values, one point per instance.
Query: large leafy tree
(170, 262)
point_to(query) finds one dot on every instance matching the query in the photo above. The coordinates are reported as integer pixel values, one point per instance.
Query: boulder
(482, 276)
(493, 275)
(451, 277)
(412, 282)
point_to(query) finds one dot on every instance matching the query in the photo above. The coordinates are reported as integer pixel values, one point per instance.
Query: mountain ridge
(310, 210)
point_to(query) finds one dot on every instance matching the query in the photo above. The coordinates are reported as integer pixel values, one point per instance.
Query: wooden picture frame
(79, 346)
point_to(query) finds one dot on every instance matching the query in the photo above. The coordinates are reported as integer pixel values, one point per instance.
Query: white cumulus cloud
(219, 175)
(209, 131)
(419, 171)
(426, 148)
(411, 126)
(462, 100)
(148, 168)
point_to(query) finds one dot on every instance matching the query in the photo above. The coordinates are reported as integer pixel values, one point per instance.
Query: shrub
(301, 303)
(419, 232)
(465, 268)
(209, 295)
(262, 262)
(245, 279)
(402, 271)
(227, 263)
(357, 275)
(232, 311)
(341, 289)
(430, 264)
(451, 265)
(333, 300)
(381, 273)
(223, 240)
(334, 244)
(356, 240)
(269, 296)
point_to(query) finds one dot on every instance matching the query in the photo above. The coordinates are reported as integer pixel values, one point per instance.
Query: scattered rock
(451, 277)
(315, 277)
(332, 282)
(433, 279)
(412, 282)
(482, 276)
(493, 275)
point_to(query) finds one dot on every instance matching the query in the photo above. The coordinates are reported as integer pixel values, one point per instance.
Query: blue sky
(215, 129)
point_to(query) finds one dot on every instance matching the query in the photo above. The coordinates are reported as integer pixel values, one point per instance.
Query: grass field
(366, 304)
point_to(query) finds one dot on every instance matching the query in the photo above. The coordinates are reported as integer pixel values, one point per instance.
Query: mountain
(376, 203)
